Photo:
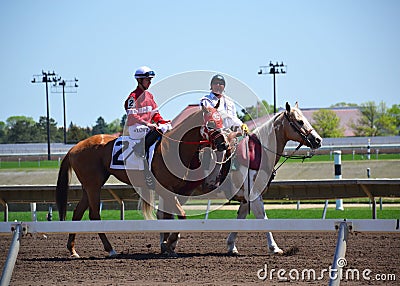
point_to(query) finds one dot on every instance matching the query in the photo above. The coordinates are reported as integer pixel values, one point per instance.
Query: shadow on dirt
(147, 256)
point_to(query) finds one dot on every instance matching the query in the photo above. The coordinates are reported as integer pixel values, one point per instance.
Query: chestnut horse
(253, 175)
(90, 159)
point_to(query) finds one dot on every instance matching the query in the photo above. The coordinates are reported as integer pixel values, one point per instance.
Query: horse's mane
(264, 127)
(190, 118)
(191, 121)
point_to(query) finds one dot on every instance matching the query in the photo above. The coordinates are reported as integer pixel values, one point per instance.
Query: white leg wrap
(257, 206)
(230, 241)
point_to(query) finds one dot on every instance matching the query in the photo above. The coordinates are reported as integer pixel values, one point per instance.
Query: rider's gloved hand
(245, 129)
(152, 126)
(164, 127)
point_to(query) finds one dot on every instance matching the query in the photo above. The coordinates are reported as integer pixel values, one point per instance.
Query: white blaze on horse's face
(302, 130)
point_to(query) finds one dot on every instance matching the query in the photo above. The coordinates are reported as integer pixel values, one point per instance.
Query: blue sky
(335, 51)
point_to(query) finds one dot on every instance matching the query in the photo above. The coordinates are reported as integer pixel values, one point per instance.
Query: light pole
(278, 68)
(46, 77)
(68, 86)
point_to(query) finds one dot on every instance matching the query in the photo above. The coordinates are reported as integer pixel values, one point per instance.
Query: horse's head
(301, 130)
(212, 129)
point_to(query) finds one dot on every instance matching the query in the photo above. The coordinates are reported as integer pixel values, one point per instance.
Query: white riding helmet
(144, 72)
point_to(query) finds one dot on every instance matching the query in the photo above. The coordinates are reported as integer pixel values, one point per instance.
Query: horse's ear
(296, 105)
(217, 105)
(288, 107)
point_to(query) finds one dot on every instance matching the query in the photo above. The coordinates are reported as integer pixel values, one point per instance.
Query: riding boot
(150, 141)
(138, 149)
(151, 138)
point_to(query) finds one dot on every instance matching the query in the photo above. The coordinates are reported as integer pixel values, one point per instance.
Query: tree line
(375, 120)
(23, 129)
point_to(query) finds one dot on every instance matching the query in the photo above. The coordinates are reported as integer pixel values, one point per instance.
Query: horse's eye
(301, 122)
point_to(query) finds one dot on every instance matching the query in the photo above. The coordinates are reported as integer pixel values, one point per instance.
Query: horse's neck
(276, 125)
(281, 139)
(185, 134)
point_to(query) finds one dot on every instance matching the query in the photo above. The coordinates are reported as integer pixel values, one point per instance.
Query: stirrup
(148, 176)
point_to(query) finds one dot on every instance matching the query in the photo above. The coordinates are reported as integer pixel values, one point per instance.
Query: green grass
(387, 212)
(43, 164)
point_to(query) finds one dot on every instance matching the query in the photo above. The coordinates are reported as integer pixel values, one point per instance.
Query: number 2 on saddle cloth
(136, 157)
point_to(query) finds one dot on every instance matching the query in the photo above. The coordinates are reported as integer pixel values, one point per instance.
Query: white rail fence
(279, 190)
(321, 189)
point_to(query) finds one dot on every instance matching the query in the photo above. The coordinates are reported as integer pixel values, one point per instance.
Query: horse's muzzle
(315, 141)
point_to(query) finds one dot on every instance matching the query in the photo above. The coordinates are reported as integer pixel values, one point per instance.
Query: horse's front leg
(163, 236)
(168, 207)
(230, 241)
(240, 178)
(257, 206)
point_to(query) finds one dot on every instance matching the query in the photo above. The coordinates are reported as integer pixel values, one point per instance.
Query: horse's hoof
(275, 251)
(164, 248)
(112, 253)
(233, 253)
(74, 255)
(172, 254)
(169, 254)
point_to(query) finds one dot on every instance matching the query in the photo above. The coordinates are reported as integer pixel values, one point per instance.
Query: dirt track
(202, 260)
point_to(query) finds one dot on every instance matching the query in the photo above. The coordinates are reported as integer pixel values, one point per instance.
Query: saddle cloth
(248, 152)
(123, 157)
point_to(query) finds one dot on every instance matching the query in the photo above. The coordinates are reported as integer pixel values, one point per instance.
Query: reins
(229, 157)
(184, 142)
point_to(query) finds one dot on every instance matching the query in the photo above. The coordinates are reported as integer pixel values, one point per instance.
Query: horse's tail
(146, 203)
(64, 176)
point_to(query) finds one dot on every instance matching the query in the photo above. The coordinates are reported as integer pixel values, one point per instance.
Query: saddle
(248, 152)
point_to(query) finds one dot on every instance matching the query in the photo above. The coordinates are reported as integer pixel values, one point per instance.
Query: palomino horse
(90, 159)
(254, 173)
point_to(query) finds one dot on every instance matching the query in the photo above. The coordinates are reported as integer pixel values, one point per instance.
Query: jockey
(231, 122)
(143, 118)
(226, 106)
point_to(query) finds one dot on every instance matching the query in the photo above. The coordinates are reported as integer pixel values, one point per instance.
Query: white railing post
(338, 175)
(33, 212)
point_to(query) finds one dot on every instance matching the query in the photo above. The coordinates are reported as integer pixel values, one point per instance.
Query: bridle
(300, 130)
(304, 136)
